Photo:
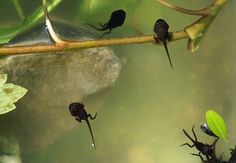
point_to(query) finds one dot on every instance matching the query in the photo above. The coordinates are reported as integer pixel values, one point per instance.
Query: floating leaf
(9, 94)
(7, 33)
(216, 124)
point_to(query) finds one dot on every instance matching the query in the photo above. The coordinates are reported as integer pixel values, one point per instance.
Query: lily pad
(9, 94)
(216, 124)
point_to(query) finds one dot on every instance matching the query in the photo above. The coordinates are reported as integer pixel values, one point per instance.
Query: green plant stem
(85, 44)
(205, 11)
(18, 9)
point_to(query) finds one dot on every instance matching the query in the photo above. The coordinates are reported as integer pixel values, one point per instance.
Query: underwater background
(142, 114)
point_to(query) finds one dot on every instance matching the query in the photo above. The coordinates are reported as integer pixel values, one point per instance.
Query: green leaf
(8, 33)
(216, 124)
(9, 94)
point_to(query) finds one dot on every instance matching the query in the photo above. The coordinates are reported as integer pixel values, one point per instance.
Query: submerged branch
(85, 44)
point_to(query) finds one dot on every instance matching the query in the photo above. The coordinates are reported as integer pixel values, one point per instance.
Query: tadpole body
(77, 110)
(117, 19)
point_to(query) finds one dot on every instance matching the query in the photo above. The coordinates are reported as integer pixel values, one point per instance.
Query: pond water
(140, 116)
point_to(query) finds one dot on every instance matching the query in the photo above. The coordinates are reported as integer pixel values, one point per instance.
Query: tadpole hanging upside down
(161, 30)
(117, 19)
(77, 110)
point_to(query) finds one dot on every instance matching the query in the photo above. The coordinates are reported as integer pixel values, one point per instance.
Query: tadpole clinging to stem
(161, 30)
(117, 19)
(77, 110)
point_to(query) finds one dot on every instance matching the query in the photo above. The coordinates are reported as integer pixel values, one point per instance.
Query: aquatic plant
(9, 94)
(194, 32)
(216, 124)
(8, 33)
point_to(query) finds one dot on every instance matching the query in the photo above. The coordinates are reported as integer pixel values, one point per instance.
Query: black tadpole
(161, 30)
(117, 19)
(77, 110)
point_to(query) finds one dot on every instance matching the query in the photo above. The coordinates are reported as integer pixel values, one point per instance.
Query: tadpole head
(161, 24)
(117, 19)
(161, 29)
(118, 14)
(75, 108)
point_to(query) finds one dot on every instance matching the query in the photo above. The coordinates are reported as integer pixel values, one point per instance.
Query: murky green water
(141, 117)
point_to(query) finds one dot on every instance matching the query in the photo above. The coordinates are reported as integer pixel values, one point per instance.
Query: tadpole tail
(99, 29)
(188, 136)
(168, 55)
(91, 133)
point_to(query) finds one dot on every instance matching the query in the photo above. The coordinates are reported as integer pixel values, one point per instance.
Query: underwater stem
(18, 9)
(85, 44)
(202, 12)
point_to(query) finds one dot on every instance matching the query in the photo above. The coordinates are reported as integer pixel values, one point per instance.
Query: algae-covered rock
(53, 81)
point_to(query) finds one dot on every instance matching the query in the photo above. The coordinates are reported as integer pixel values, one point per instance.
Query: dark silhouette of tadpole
(117, 19)
(77, 110)
(161, 30)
